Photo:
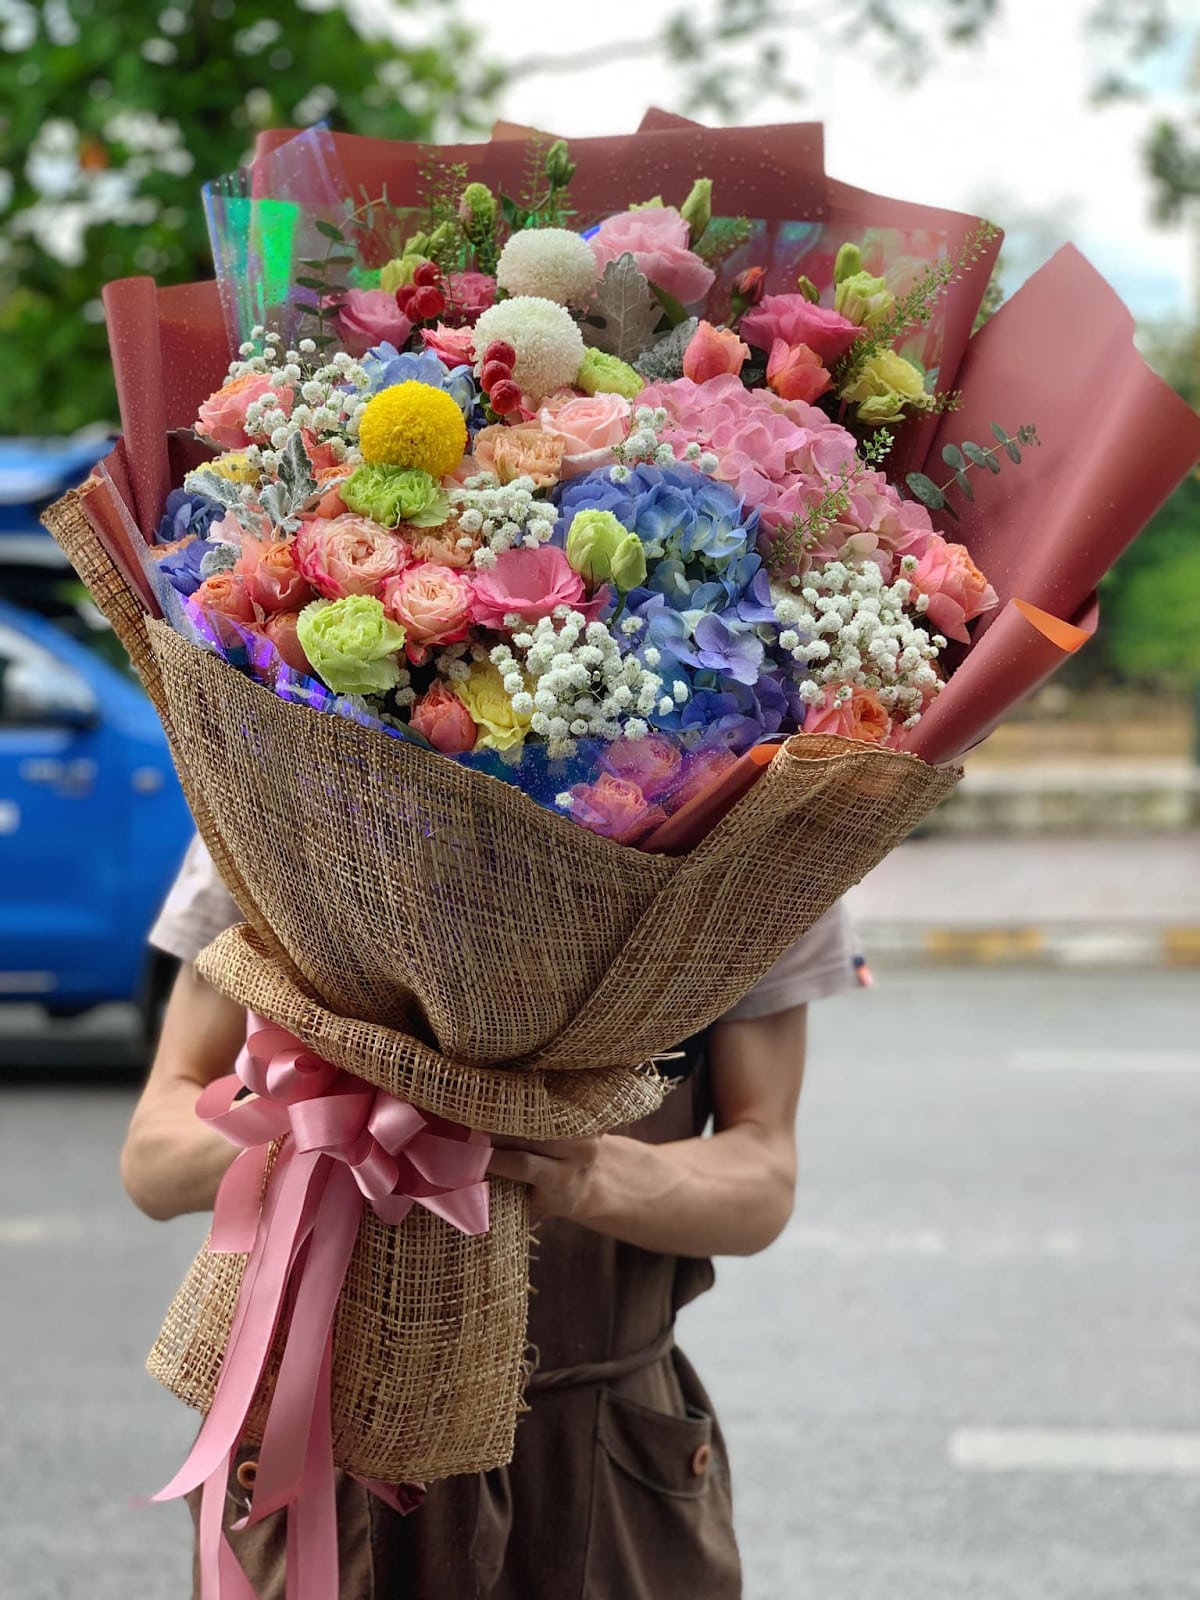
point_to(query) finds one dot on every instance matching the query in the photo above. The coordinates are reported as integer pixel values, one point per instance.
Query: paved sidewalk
(1082, 900)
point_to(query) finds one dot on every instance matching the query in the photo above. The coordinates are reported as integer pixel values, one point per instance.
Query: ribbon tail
(238, 1204)
(295, 1403)
(312, 1535)
(221, 1573)
(286, 1219)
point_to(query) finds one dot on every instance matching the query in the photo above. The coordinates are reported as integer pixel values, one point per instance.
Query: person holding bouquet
(620, 1482)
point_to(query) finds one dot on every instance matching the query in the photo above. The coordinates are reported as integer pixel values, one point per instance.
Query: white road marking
(38, 1229)
(1075, 1450)
(1105, 1060)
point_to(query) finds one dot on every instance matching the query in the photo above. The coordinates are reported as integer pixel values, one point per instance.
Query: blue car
(93, 823)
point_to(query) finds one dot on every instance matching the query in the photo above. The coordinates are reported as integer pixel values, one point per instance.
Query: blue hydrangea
(186, 513)
(183, 569)
(386, 366)
(679, 513)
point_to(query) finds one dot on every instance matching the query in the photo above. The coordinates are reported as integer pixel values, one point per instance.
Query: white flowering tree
(113, 114)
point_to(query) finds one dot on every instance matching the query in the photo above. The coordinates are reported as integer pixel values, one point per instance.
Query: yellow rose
(885, 386)
(235, 466)
(491, 710)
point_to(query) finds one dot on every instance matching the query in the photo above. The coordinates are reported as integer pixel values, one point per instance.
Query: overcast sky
(1006, 127)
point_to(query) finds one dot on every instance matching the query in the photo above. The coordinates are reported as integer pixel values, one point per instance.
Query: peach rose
(270, 575)
(588, 425)
(795, 372)
(222, 417)
(442, 546)
(348, 555)
(281, 631)
(225, 595)
(859, 717)
(615, 808)
(441, 717)
(432, 603)
(956, 588)
(524, 450)
(712, 352)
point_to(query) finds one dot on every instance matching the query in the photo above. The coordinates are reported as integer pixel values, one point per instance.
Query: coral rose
(795, 372)
(441, 717)
(222, 417)
(794, 319)
(530, 584)
(225, 594)
(712, 352)
(524, 450)
(271, 578)
(447, 546)
(657, 239)
(588, 425)
(433, 603)
(860, 716)
(956, 589)
(348, 555)
(281, 631)
(369, 317)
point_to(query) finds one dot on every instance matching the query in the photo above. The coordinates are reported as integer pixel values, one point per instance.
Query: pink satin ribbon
(345, 1145)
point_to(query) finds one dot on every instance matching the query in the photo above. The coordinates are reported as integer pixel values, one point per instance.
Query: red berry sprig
(496, 378)
(424, 298)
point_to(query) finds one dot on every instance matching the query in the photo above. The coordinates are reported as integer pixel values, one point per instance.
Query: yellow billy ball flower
(413, 425)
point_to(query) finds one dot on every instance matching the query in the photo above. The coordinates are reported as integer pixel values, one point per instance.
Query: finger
(519, 1165)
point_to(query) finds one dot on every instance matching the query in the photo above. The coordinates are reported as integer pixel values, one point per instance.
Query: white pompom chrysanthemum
(551, 262)
(549, 346)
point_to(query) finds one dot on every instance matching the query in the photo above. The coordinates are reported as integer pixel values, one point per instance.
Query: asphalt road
(969, 1371)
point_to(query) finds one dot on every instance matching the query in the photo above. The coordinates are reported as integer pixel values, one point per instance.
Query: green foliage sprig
(916, 308)
(789, 547)
(545, 193)
(325, 276)
(722, 237)
(961, 461)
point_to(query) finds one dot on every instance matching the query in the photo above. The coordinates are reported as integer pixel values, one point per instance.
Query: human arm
(727, 1194)
(172, 1162)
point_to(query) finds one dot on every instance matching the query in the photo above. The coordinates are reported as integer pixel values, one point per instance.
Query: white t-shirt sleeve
(198, 907)
(819, 964)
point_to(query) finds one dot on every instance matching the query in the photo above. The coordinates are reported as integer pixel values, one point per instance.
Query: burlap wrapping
(437, 933)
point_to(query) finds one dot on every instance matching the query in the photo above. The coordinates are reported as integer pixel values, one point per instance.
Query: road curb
(1067, 945)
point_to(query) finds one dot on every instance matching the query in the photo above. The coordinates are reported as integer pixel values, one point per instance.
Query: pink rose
(531, 583)
(225, 595)
(795, 320)
(270, 575)
(441, 717)
(712, 352)
(469, 295)
(859, 717)
(369, 317)
(222, 417)
(589, 426)
(433, 603)
(956, 588)
(654, 763)
(615, 808)
(795, 372)
(454, 346)
(657, 239)
(348, 555)
(281, 631)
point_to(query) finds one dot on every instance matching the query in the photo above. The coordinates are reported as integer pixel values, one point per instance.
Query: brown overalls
(619, 1489)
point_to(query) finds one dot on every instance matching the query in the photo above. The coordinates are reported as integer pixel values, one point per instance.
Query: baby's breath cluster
(848, 626)
(502, 516)
(645, 446)
(569, 675)
(327, 399)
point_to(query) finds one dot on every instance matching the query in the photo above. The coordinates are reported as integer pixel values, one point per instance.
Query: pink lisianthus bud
(712, 353)
(795, 372)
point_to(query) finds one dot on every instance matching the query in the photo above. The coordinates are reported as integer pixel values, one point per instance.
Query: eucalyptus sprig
(789, 547)
(914, 309)
(324, 275)
(962, 459)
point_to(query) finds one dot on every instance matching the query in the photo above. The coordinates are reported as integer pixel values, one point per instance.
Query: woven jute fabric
(438, 934)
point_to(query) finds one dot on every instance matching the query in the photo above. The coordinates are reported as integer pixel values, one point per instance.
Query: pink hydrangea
(657, 239)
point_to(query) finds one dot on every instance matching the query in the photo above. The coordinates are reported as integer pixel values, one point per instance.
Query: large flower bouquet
(543, 513)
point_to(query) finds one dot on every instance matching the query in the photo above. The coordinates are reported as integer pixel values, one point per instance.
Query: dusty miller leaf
(203, 480)
(624, 314)
(293, 486)
(663, 362)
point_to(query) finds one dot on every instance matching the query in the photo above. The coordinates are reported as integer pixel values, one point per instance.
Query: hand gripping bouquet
(581, 575)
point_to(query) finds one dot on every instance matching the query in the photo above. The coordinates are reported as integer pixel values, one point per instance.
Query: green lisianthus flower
(391, 495)
(863, 299)
(601, 373)
(352, 644)
(600, 549)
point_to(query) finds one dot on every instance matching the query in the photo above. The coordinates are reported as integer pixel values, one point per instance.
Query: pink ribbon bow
(345, 1144)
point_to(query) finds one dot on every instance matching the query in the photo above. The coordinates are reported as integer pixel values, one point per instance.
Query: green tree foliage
(112, 115)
